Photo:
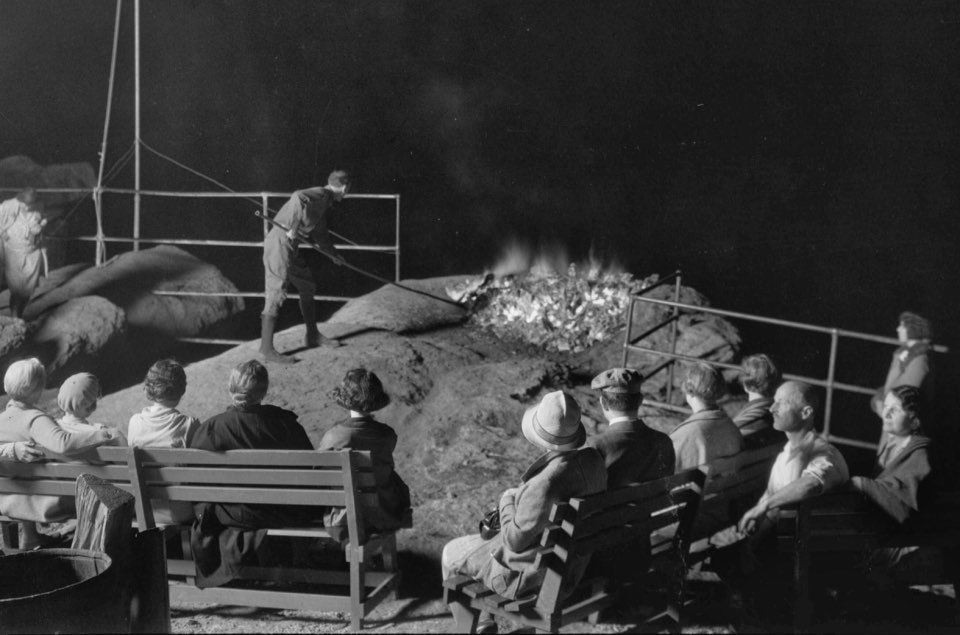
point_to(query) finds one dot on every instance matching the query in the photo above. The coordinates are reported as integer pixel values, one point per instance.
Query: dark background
(796, 160)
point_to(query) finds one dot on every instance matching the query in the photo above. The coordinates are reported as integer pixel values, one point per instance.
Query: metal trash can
(59, 591)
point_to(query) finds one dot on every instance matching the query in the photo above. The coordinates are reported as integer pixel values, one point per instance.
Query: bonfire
(551, 304)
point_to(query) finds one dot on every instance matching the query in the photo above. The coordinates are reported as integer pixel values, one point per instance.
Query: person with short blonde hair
(759, 377)
(708, 433)
(22, 421)
(248, 383)
(225, 539)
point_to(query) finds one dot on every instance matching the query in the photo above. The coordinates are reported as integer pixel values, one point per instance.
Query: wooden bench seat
(579, 528)
(733, 485)
(287, 477)
(847, 522)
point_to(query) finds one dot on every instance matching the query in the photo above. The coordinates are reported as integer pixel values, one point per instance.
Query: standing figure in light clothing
(21, 229)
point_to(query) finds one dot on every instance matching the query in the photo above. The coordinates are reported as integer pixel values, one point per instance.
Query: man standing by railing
(304, 215)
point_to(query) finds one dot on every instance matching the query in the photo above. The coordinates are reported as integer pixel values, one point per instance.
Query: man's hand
(748, 524)
(26, 451)
(337, 259)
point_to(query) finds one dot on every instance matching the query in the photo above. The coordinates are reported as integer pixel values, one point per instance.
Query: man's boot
(313, 338)
(267, 325)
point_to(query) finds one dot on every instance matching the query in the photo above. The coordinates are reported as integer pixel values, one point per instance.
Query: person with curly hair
(162, 425)
(910, 365)
(361, 393)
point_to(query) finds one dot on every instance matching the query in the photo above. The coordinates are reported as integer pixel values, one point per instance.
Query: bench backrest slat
(46, 487)
(582, 526)
(237, 458)
(62, 470)
(261, 476)
(258, 477)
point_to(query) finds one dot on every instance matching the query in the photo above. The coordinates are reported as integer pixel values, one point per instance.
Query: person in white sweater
(161, 425)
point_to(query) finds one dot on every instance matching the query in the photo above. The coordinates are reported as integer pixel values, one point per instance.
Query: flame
(518, 257)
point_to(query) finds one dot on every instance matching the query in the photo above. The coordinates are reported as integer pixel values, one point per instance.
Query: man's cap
(618, 380)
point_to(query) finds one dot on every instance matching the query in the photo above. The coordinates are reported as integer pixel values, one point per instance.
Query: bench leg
(388, 552)
(465, 618)
(801, 578)
(9, 535)
(357, 591)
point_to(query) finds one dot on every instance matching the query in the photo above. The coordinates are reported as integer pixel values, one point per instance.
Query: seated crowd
(224, 536)
(573, 464)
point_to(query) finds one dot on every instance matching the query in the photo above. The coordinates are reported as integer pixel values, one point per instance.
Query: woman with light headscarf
(23, 421)
(78, 400)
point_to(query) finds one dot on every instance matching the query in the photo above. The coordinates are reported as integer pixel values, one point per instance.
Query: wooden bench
(579, 528)
(733, 485)
(284, 477)
(847, 522)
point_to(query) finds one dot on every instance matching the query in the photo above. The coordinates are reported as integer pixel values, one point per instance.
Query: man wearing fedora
(361, 392)
(633, 452)
(506, 562)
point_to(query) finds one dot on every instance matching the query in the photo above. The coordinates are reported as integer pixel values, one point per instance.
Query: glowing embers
(546, 302)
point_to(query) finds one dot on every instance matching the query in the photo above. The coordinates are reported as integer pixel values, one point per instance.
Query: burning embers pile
(566, 312)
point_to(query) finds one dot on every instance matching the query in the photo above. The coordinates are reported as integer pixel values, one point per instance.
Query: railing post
(627, 335)
(673, 337)
(396, 242)
(264, 208)
(828, 407)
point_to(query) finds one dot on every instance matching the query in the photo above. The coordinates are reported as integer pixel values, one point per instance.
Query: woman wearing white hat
(505, 563)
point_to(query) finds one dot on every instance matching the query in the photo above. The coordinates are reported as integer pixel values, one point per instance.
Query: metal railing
(263, 197)
(830, 384)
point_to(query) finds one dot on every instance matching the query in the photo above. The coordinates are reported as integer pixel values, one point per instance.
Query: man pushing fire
(302, 218)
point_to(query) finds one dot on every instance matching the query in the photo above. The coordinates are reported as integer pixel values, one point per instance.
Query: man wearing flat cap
(507, 562)
(632, 451)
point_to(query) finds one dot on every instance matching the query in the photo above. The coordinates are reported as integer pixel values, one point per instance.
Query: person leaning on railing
(911, 364)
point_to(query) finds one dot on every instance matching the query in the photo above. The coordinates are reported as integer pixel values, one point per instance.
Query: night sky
(797, 160)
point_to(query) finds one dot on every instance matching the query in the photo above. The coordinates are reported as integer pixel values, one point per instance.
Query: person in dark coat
(632, 451)
(361, 392)
(225, 536)
(708, 433)
(896, 484)
(759, 377)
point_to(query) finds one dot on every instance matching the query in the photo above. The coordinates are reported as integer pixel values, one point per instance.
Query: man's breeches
(282, 264)
(22, 270)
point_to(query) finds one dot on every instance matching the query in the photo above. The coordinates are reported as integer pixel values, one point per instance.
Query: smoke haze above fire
(794, 159)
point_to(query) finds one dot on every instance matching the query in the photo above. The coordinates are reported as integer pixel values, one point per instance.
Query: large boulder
(129, 281)
(392, 308)
(82, 334)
